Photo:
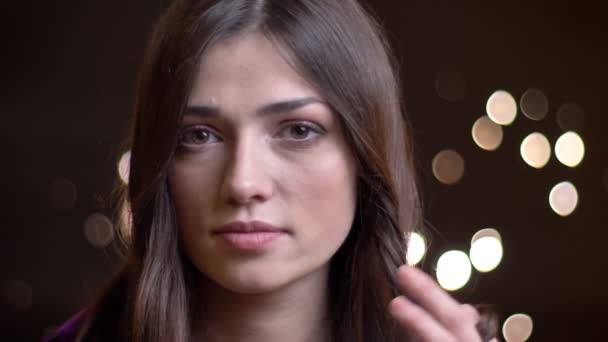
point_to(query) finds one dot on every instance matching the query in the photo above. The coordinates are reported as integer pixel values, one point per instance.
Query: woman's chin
(264, 277)
(244, 280)
(254, 285)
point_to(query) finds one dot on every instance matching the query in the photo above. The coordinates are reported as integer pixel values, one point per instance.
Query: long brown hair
(342, 52)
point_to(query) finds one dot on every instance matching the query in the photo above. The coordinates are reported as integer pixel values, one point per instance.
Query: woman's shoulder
(69, 330)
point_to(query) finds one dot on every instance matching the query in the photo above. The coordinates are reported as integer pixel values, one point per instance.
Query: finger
(418, 321)
(469, 331)
(422, 289)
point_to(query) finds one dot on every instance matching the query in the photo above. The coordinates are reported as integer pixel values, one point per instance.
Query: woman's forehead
(247, 69)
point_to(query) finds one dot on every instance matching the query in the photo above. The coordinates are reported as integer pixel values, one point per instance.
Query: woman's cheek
(327, 187)
(191, 188)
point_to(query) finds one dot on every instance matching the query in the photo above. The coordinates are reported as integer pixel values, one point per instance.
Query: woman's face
(263, 183)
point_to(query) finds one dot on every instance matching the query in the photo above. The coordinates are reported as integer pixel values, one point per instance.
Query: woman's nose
(247, 179)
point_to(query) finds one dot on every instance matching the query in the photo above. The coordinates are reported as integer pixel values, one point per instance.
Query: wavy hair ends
(341, 51)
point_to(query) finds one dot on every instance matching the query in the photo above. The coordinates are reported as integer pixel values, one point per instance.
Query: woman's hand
(428, 313)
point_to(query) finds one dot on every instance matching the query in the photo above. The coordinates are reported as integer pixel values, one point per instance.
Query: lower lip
(250, 241)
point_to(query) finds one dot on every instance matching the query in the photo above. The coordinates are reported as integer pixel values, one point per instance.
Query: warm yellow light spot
(486, 250)
(448, 167)
(453, 270)
(124, 165)
(536, 150)
(570, 117)
(416, 249)
(517, 328)
(487, 134)
(502, 108)
(98, 230)
(563, 198)
(570, 149)
(450, 85)
(534, 104)
(486, 232)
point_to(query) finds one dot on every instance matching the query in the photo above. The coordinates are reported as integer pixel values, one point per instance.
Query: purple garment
(69, 330)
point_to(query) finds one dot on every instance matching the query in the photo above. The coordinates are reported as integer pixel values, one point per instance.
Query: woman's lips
(249, 236)
(251, 241)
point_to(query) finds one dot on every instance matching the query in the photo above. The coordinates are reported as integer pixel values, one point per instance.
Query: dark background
(69, 70)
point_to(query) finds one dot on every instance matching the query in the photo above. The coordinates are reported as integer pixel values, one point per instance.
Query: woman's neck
(296, 312)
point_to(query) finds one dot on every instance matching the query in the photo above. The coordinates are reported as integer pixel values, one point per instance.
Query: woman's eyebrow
(271, 108)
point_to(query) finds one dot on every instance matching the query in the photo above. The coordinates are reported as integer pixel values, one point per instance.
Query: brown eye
(198, 136)
(301, 132)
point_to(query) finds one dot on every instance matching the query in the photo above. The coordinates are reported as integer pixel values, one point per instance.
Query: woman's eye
(198, 136)
(300, 131)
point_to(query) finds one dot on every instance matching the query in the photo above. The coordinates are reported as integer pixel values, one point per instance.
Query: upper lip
(247, 227)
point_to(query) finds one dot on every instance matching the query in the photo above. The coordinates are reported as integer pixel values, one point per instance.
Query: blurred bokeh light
(487, 134)
(570, 149)
(448, 167)
(517, 328)
(570, 117)
(534, 104)
(563, 198)
(536, 150)
(416, 248)
(98, 230)
(486, 250)
(453, 270)
(502, 108)
(62, 194)
(123, 167)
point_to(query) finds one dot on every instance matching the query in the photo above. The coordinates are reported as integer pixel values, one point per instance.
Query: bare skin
(253, 160)
(428, 314)
(297, 313)
(242, 158)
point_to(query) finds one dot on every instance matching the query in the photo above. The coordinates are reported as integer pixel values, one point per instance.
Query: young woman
(271, 186)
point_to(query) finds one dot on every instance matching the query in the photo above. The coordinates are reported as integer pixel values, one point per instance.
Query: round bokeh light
(453, 270)
(502, 108)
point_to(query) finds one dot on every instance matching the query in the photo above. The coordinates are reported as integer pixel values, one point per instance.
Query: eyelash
(193, 130)
(311, 129)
